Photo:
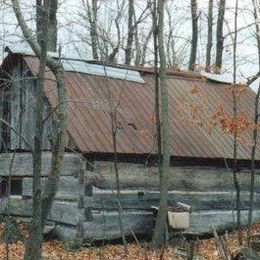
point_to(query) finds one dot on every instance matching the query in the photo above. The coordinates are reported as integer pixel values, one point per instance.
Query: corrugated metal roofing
(193, 102)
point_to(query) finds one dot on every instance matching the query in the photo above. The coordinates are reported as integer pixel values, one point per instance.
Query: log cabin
(201, 147)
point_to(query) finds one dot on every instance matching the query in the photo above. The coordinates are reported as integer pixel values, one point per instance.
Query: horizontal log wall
(144, 200)
(67, 210)
(202, 222)
(84, 199)
(138, 176)
(61, 212)
(69, 188)
(105, 225)
(208, 190)
(22, 165)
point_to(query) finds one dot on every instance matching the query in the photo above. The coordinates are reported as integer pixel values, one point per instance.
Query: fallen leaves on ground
(54, 250)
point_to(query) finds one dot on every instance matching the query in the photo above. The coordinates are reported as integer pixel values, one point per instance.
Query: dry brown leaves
(53, 250)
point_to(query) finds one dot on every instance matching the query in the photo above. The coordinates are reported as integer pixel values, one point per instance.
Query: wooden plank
(68, 188)
(61, 212)
(202, 222)
(138, 176)
(144, 200)
(22, 165)
(15, 107)
(27, 96)
(105, 225)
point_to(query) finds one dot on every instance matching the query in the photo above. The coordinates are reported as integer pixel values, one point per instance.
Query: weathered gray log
(22, 165)
(144, 200)
(64, 232)
(59, 231)
(105, 225)
(202, 222)
(195, 178)
(68, 188)
(61, 212)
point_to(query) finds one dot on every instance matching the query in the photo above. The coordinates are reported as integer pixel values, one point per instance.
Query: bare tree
(219, 36)
(255, 131)
(194, 40)
(160, 230)
(92, 12)
(235, 134)
(53, 28)
(145, 46)
(132, 27)
(130, 32)
(35, 241)
(115, 48)
(33, 249)
(209, 40)
(170, 41)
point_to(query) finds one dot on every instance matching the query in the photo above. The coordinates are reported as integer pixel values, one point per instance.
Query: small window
(3, 186)
(16, 186)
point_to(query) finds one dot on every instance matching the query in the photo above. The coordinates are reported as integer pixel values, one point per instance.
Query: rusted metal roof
(196, 112)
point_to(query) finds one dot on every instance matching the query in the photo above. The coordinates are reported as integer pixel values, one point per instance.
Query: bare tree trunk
(138, 51)
(113, 118)
(53, 28)
(157, 89)
(92, 19)
(160, 230)
(170, 47)
(112, 55)
(220, 38)
(58, 144)
(255, 133)
(145, 46)
(130, 34)
(235, 105)
(120, 213)
(34, 244)
(194, 40)
(209, 41)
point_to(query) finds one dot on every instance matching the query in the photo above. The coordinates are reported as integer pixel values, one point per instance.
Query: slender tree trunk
(53, 27)
(253, 168)
(138, 51)
(219, 36)
(160, 230)
(34, 244)
(145, 46)
(194, 40)
(58, 146)
(255, 133)
(130, 34)
(235, 107)
(92, 18)
(112, 55)
(120, 213)
(113, 118)
(39, 6)
(209, 41)
(157, 90)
